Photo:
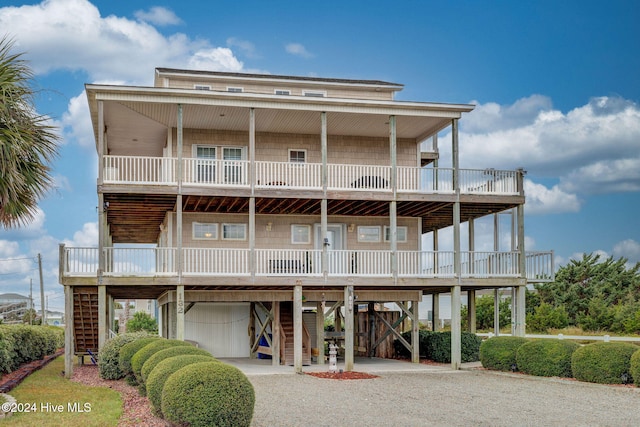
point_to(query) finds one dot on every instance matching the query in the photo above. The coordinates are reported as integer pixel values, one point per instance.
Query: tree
(27, 142)
(142, 321)
(31, 317)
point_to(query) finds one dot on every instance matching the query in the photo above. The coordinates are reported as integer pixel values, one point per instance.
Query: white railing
(488, 181)
(359, 177)
(540, 266)
(140, 261)
(216, 172)
(288, 262)
(139, 170)
(80, 261)
(425, 180)
(291, 175)
(220, 262)
(303, 262)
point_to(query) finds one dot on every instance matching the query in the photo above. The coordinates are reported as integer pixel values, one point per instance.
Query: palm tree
(27, 142)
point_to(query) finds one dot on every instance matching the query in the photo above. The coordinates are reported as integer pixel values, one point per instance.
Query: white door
(336, 255)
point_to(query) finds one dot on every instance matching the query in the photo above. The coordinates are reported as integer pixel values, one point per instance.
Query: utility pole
(41, 290)
(32, 312)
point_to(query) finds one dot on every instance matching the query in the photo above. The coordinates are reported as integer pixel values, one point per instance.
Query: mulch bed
(9, 381)
(351, 375)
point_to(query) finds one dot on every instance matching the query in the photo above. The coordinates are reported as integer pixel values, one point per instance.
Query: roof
(397, 86)
(12, 296)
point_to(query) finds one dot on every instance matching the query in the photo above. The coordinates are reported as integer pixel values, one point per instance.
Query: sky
(556, 86)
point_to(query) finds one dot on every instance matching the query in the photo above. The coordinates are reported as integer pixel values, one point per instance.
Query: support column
(180, 312)
(415, 332)
(496, 312)
(348, 328)
(297, 328)
(103, 329)
(320, 331)
(456, 334)
(393, 220)
(521, 300)
(471, 310)
(323, 203)
(69, 344)
(435, 312)
(275, 334)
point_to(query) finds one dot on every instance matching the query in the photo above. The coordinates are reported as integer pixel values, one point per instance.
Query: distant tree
(142, 321)
(30, 317)
(27, 142)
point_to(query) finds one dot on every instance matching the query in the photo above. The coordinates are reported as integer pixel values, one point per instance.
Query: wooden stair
(286, 334)
(85, 319)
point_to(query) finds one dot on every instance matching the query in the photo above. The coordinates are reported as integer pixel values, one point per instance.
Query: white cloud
(621, 175)
(247, 48)
(158, 16)
(629, 249)
(298, 50)
(72, 35)
(543, 200)
(87, 237)
(77, 121)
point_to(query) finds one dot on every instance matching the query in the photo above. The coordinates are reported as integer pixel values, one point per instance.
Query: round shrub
(546, 358)
(109, 360)
(439, 347)
(499, 353)
(635, 367)
(165, 354)
(149, 350)
(163, 370)
(128, 350)
(603, 362)
(208, 394)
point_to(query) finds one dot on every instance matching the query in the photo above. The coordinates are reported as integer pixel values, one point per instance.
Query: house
(13, 307)
(240, 201)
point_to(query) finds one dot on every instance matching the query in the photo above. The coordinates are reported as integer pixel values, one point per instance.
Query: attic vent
(202, 87)
(316, 94)
(235, 89)
(282, 92)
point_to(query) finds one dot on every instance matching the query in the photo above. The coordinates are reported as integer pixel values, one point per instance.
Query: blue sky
(556, 84)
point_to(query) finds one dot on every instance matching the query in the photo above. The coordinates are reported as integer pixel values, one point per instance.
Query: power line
(18, 259)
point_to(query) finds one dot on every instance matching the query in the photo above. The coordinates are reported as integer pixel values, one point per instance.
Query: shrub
(142, 321)
(158, 357)
(109, 360)
(163, 370)
(499, 353)
(603, 362)
(149, 350)
(439, 347)
(7, 349)
(208, 394)
(635, 367)
(423, 336)
(546, 317)
(128, 350)
(21, 344)
(546, 358)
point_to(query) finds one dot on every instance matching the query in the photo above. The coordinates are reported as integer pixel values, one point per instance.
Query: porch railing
(235, 173)
(120, 261)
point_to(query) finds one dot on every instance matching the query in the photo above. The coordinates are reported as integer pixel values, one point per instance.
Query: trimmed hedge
(546, 357)
(163, 370)
(109, 360)
(149, 350)
(603, 362)
(436, 346)
(21, 344)
(126, 353)
(635, 367)
(499, 353)
(165, 354)
(208, 394)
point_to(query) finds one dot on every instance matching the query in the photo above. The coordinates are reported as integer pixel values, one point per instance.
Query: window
(314, 93)
(282, 92)
(233, 170)
(202, 87)
(234, 231)
(368, 234)
(205, 231)
(401, 236)
(300, 234)
(235, 89)
(297, 156)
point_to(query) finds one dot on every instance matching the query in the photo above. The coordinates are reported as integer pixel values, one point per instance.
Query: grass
(48, 386)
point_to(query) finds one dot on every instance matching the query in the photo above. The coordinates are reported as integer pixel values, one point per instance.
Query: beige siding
(221, 329)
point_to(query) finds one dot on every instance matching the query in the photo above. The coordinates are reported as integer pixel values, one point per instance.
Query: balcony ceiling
(136, 128)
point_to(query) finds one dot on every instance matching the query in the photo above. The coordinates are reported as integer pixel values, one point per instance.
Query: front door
(335, 247)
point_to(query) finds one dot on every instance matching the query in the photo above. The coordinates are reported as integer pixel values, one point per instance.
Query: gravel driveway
(446, 398)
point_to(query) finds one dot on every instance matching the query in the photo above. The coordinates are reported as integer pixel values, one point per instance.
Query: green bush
(423, 336)
(158, 357)
(149, 350)
(546, 358)
(109, 360)
(499, 353)
(21, 344)
(163, 370)
(635, 367)
(142, 321)
(603, 362)
(208, 394)
(7, 349)
(126, 353)
(436, 346)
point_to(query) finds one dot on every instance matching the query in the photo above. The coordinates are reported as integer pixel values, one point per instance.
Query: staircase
(85, 319)
(286, 337)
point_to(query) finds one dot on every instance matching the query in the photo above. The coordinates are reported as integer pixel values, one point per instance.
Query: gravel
(452, 398)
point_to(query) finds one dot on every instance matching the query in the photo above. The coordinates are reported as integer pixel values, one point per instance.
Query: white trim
(297, 150)
(307, 227)
(244, 231)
